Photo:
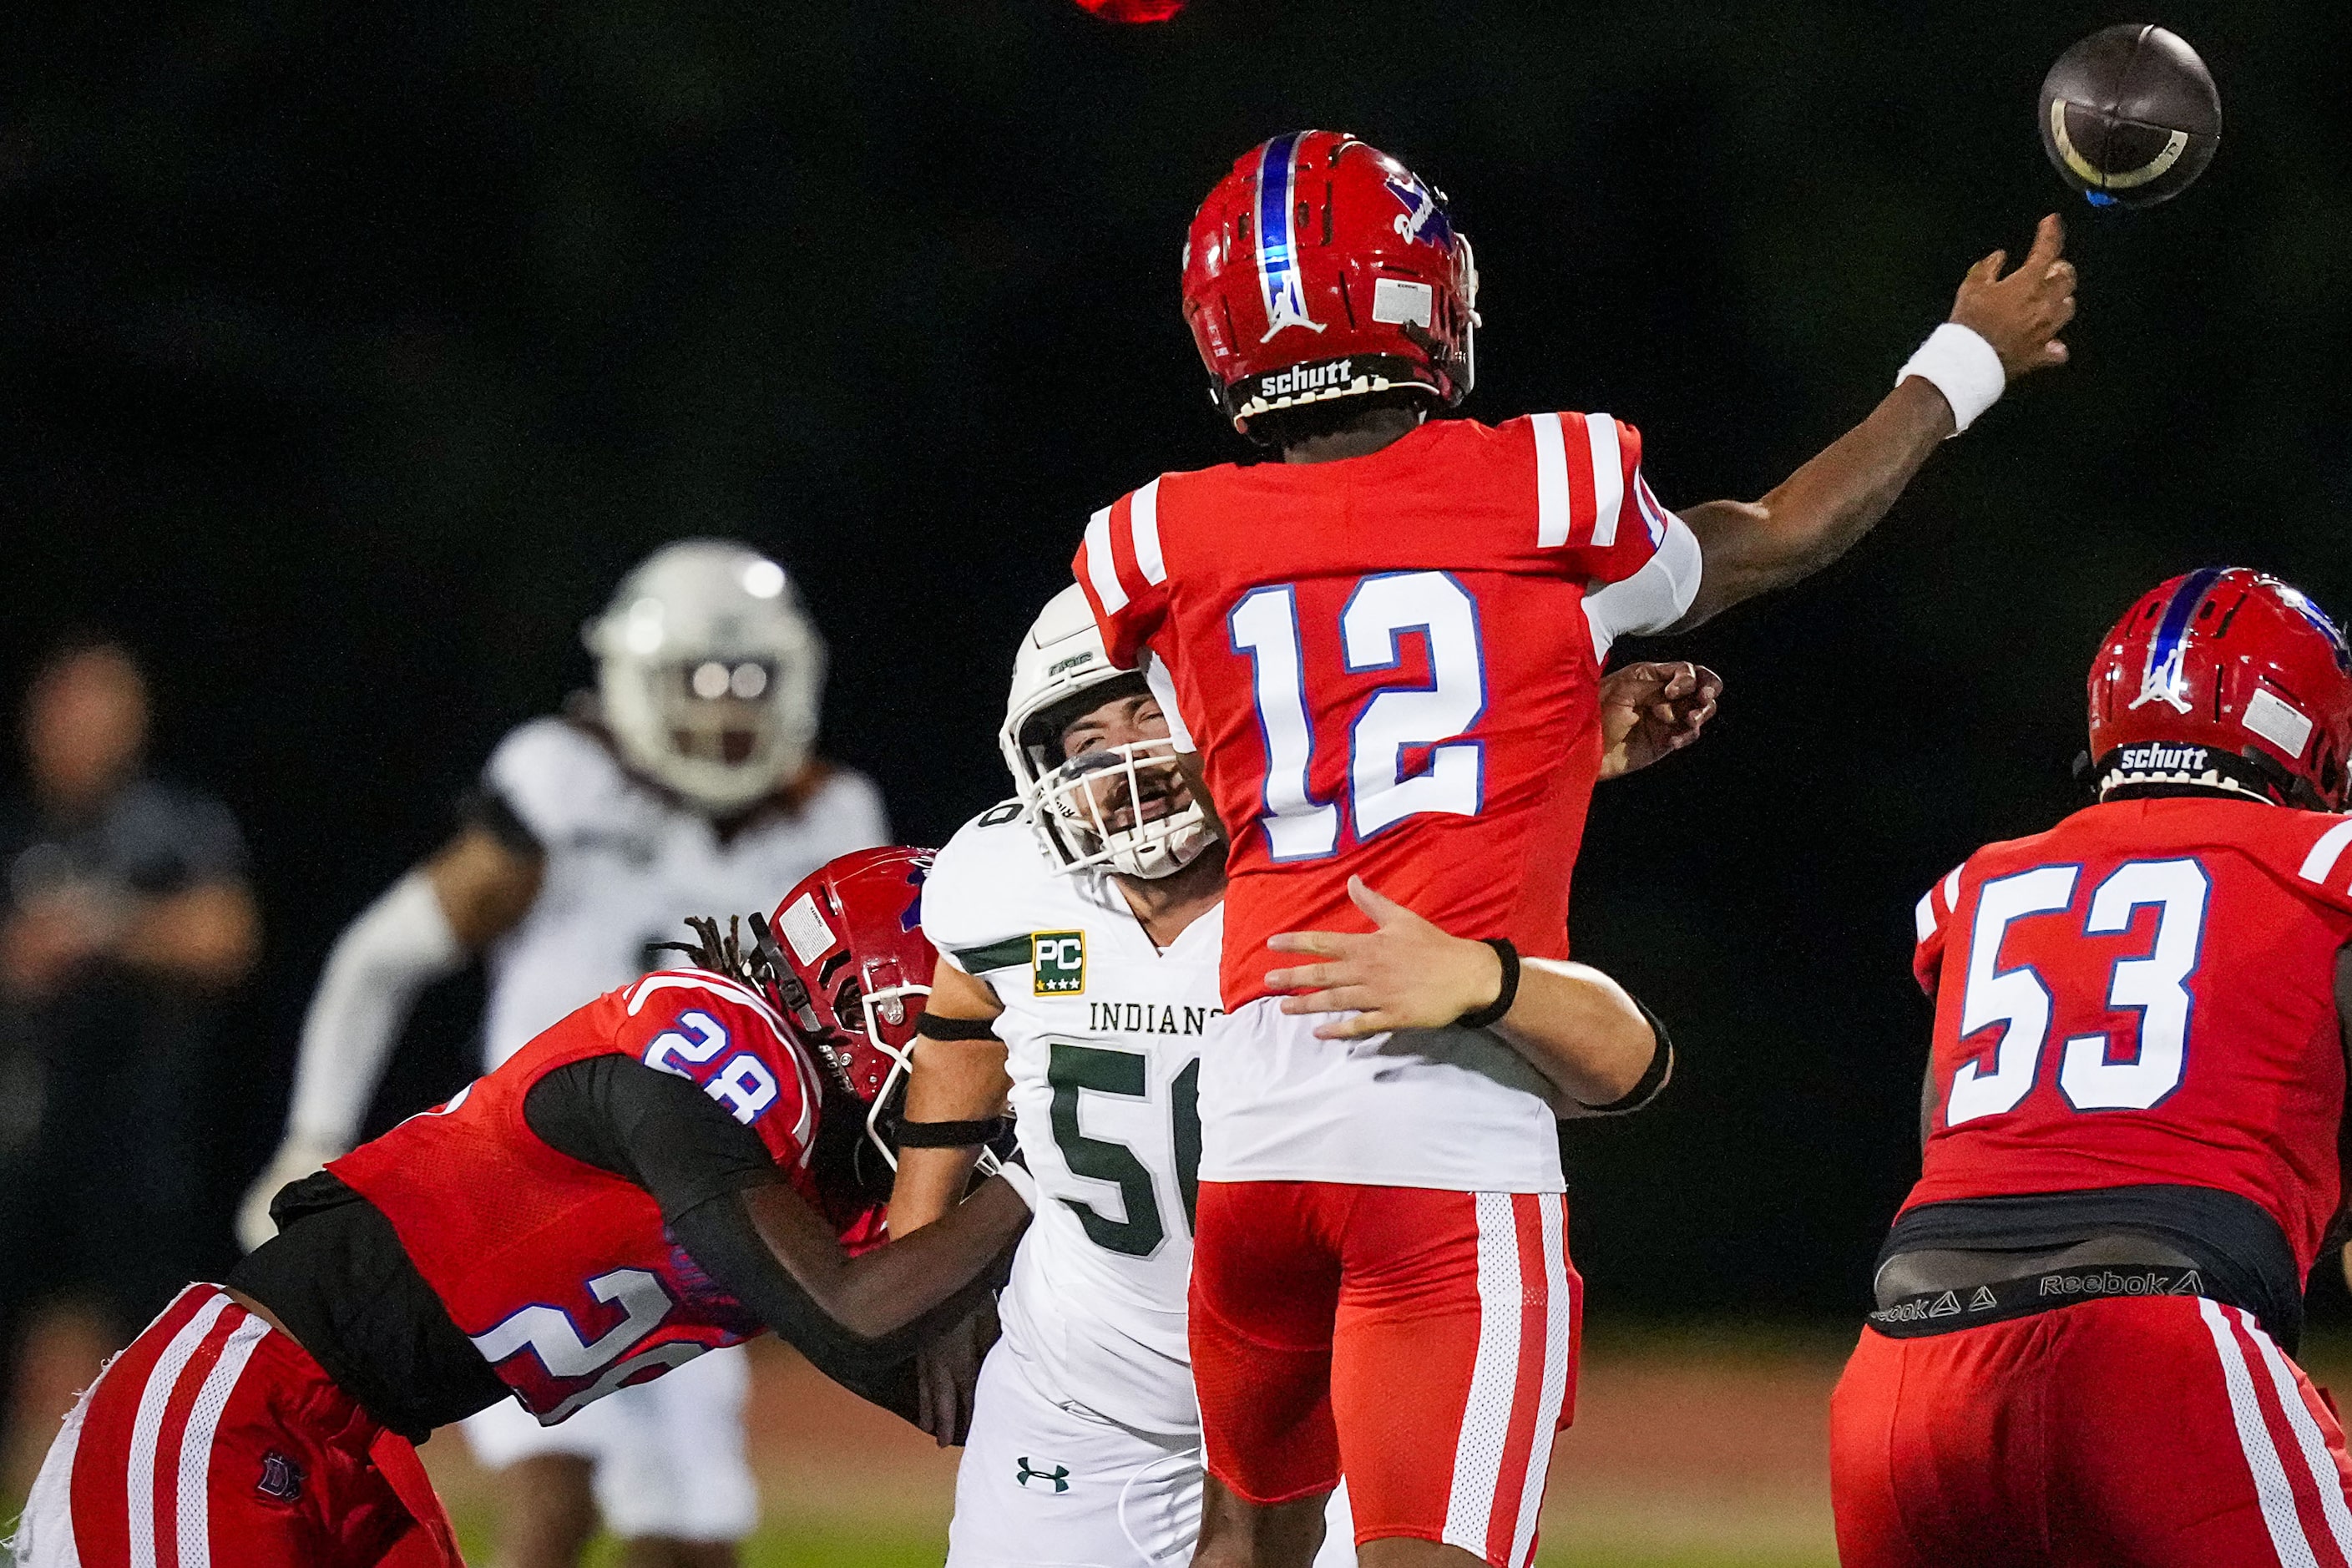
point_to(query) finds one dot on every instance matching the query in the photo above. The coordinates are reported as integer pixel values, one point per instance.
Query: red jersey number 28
(2096, 1072)
(1381, 794)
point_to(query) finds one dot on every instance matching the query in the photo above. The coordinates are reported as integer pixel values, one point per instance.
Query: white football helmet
(1108, 806)
(709, 671)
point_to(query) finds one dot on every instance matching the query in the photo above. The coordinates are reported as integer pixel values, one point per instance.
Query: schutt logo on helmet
(2227, 680)
(1320, 268)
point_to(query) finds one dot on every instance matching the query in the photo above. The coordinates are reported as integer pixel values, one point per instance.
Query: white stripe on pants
(2273, 1485)
(1508, 1277)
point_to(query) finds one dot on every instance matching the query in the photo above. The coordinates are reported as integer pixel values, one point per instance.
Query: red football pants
(1425, 1341)
(214, 1440)
(2155, 1431)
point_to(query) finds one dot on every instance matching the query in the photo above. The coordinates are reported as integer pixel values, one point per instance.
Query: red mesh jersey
(2145, 994)
(560, 1273)
(1385, 665)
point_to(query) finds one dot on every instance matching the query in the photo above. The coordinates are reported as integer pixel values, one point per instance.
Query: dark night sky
(349, 357)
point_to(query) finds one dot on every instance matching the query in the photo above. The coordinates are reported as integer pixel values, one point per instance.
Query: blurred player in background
(1380, 644)
(688, 780)
(1077, 927)
(669, 1170)
(124, 916)
(2131, 1125)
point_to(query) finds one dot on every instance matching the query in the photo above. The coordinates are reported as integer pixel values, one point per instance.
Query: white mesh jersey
(627, 864)
(1102, 1032)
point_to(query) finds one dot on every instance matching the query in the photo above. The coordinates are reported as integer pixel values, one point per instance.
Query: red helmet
(2228, 679)
(1322, 268)
(847, 945)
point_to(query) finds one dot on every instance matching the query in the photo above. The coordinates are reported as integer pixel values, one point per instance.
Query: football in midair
(2130, 116)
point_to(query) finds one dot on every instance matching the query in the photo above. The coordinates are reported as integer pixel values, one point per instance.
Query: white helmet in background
(1108, 806)
(710, 672)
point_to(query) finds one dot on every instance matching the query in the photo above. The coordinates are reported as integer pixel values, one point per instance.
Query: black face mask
(850, 1174)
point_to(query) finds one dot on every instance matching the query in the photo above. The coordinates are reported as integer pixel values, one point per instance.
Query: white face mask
(1125, 808)
(893, 1005)
(709, 673)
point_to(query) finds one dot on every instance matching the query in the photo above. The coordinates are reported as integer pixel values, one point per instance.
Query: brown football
(2130, 116)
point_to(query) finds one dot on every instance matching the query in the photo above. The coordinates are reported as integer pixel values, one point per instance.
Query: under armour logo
(1059, 1478)
(281, 1478)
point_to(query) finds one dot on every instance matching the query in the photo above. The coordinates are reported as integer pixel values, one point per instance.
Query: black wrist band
(1492, 1012)
(948, 1134)
(932, 1027)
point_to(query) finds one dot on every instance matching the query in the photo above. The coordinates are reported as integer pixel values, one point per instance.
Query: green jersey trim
(1012, 953)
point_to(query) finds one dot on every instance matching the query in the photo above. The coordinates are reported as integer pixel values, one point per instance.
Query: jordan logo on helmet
(2163, 683)
(1280, 284)
(2163, 680)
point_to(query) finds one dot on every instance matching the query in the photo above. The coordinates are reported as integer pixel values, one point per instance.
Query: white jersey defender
(1102, 1034)
(1085, 1446)
(625, 865)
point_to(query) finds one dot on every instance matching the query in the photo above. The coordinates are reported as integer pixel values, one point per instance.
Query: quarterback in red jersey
(671, 1169)
(2086, 1307)
(1381, 649)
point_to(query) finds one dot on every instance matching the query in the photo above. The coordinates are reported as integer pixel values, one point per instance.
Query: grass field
(1697, 1449)
(1693, 1449)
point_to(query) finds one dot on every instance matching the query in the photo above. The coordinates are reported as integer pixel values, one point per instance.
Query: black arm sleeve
(661, 1132)
(653, 1128)
(720, 1237)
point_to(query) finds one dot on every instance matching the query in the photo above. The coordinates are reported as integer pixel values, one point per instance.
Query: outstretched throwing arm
(1816, 513)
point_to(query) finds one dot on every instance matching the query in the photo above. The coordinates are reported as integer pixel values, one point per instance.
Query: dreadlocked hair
(754, 967)
(760, 968)
(720, 955)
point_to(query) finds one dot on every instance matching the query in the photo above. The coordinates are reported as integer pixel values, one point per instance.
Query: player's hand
(1648, 710)
(296, 1158)
(1404, 975)
(947, 1371)
(2021, 315)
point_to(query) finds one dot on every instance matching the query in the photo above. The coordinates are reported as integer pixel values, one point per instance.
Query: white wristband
(1018, 1177)
(1956, 362)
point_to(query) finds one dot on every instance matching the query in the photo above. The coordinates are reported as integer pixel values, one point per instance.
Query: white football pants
(668, 1453)
(1048, 1485)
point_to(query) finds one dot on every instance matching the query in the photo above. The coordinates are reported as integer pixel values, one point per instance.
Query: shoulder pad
(557, 778)
(724, 1037)
(2324, 865)
(978, 897)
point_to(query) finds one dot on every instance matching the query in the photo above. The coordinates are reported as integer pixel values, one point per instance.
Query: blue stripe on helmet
(2185, 600)
(2163, 672)
(2302, 603)
(1278, 249)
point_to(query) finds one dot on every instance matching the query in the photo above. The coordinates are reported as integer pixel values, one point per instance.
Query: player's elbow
(1742, 553)
(1656, 1052)
(1609, 1054)
(1621, 1060)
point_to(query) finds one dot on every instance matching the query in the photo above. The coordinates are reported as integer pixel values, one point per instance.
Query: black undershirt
(2237, 1247)
(337, 1277)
